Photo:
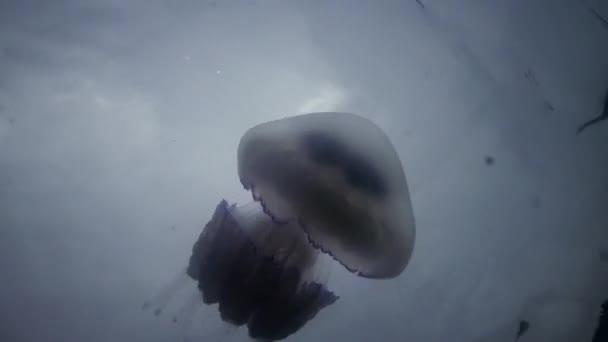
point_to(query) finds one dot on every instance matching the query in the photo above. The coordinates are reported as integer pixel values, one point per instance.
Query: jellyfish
(322, 183)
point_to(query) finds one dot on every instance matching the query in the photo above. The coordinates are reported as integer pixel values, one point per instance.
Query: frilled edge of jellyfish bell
(320, 247)
(260, 199)
(252, 288)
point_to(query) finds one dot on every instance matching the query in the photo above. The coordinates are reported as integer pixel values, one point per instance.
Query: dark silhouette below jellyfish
(256, 270)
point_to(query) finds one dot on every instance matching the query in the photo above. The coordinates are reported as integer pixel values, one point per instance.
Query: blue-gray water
(119, 122)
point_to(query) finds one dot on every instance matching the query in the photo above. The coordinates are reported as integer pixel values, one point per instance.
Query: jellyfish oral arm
(258, 271)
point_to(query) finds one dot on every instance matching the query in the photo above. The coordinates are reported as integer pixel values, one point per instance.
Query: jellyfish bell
(340, 178)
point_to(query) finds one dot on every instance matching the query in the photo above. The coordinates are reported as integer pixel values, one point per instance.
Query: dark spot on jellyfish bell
(359, 173)
(324, 149)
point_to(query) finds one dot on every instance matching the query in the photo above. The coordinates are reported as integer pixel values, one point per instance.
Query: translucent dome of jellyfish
(324, 183)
